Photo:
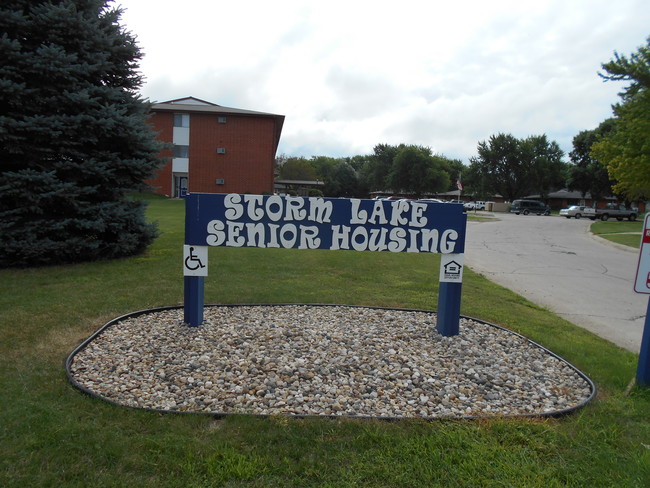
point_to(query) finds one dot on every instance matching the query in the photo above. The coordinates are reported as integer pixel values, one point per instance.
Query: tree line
(505, 165)
(612, 159)
(403, 169)
(76, 144)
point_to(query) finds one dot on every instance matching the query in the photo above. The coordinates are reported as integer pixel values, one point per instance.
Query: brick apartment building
(215, 149)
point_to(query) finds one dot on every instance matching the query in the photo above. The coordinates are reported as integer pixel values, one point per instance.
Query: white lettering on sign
(289, 222)
(277, 208)
(358, 238)
(413, 211)
(238, 234)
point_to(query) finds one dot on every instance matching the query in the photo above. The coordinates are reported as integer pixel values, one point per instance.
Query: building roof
(191, 104)
(196, 105)
(567, 194)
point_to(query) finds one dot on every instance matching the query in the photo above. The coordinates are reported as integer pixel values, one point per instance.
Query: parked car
(430, 200)
(530, 206)
(576, 211)
(474, 206)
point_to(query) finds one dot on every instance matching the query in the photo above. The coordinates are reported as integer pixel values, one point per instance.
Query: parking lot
(556, 263)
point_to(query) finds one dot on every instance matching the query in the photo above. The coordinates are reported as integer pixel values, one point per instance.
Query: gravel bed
(323, 360)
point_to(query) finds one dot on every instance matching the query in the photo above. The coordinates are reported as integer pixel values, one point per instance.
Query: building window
(181, 151)
(222, 120)
(221, 150)
(181, 120)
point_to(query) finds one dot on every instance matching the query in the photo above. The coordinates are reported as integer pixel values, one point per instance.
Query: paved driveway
(556, 263)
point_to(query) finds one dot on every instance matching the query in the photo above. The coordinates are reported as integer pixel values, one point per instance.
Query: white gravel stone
(324, 360)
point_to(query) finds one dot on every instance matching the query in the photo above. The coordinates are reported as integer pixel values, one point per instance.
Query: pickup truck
(474, 206)
(620, 212)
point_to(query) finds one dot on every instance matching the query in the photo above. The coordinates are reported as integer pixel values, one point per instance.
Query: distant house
(215, 149)
(297, 187)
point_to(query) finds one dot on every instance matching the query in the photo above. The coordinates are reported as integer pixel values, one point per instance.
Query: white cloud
(350, 75)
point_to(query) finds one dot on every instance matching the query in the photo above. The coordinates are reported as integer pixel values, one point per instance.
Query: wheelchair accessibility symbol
(195, 260)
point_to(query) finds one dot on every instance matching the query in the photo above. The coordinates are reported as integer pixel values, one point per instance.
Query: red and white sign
(642, 282)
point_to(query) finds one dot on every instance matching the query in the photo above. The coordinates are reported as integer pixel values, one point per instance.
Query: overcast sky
(348, 75)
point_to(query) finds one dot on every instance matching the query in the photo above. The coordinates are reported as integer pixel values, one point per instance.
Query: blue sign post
(193, 296)
(643, 368)
(642, 285)
(273, 221)
(448, 319)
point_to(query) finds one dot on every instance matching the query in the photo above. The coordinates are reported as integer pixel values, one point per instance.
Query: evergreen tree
(73, 134)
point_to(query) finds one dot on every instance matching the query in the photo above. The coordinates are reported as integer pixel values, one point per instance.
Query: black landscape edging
(80, 347)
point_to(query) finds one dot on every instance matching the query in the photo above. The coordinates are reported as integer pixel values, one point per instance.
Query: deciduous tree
(416, 172)
(500, 168)
(297, 169)
(515, 167)
(546, 170)
(376, 170)
(586, 174)
(455, 168)
(626, 150)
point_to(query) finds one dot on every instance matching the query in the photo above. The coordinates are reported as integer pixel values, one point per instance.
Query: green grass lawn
(53, 435)
(625, 232)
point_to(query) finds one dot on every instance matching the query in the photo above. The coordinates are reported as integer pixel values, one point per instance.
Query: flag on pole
(459, 184)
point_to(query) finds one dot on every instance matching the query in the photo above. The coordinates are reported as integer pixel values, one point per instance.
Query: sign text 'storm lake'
(324, 223)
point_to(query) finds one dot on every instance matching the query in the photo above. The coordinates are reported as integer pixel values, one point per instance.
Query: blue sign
(273, 221)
